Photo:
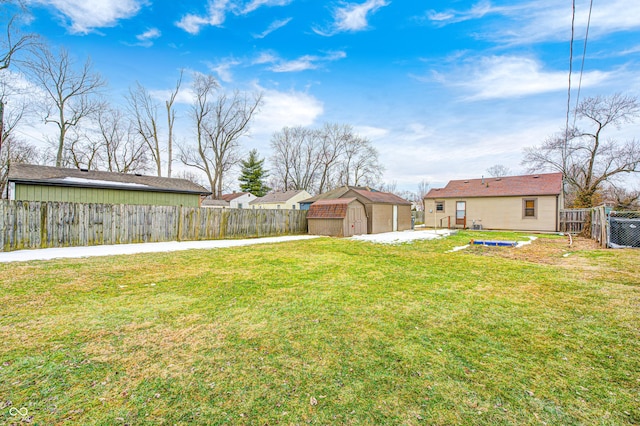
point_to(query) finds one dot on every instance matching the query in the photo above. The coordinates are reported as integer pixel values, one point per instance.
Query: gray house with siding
(28, 182)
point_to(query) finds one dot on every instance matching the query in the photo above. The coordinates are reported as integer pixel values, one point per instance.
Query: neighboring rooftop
(58, 176)
(334, 193)
(233, 196)
(277, 197)
(330, 208)
(508, 186)
(214, 203)
(381, 197)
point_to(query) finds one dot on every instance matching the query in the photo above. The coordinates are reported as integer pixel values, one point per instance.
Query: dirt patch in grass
(549, 251)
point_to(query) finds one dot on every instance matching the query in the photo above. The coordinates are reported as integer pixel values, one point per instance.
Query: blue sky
(443, 89)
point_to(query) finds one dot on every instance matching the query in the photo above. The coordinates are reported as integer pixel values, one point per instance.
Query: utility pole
(2, 140)
(1, 123)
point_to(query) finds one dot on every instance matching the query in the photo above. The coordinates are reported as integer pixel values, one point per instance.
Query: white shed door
(395, 218)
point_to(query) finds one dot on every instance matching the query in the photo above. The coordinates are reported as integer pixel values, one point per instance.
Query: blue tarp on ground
(494, 243)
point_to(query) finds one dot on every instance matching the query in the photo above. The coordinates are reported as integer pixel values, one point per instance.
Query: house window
(439, 206)
(530, 208)
(239, 205)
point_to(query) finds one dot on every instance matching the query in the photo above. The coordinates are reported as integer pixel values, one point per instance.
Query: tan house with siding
(519, 203)
(280, 200)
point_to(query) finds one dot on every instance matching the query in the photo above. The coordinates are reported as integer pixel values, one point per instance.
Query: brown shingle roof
(508, 186)
(330, 208)
(276, 197)
(381, 197)
(334, 193)
(58, 176)
(230, 197)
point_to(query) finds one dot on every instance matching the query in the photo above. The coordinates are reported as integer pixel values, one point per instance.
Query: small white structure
(239, 200)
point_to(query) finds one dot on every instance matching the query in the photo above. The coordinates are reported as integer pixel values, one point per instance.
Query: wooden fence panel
(29, 225)
(573, 221)
(599, 225)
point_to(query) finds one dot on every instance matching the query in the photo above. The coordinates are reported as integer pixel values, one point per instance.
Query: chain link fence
(624, 229)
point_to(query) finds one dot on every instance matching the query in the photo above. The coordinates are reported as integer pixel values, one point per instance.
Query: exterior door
(395, 218)
(461, 213)
(356, 223)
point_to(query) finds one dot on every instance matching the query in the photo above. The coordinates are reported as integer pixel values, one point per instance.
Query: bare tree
(171, 119)
(295, 159)
(10, 46)
(319, 160)
(80, 151)
(584, 157)
(232, 116)
(14, 151)
(192, 176)
(423, 189)
(498, 170)
(10, 117)
(145, 118)
(333, 139)
(221, 120)
(122, 149)
(14, 41)
(359, 164)
(144, 109)
(622, 198)
(204, 87)
(71, 93)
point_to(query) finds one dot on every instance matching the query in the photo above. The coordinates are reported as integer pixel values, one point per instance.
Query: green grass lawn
(326, 331)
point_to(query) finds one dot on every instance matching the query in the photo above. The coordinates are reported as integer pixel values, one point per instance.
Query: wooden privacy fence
(599, 225)
(31, 225)
(572, 221)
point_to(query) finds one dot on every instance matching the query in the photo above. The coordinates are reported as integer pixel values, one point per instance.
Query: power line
(573, 26)
(584, 54)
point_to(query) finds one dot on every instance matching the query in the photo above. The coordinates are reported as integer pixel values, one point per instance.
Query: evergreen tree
(253, 174)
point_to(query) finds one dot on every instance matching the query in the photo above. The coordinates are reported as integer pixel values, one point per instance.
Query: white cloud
(544, 20)
(265, 58)
(150, 34)
(145, 39)
(439, 155)
(275, 25)
(371, 132)
(223, 69)
(217, 10)
(255, 4)
(215, 16)
(453, 16)
(282, 109)
(497, 77)
(86, 15)
(302, 63)
(186, 95)
(352, 17)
